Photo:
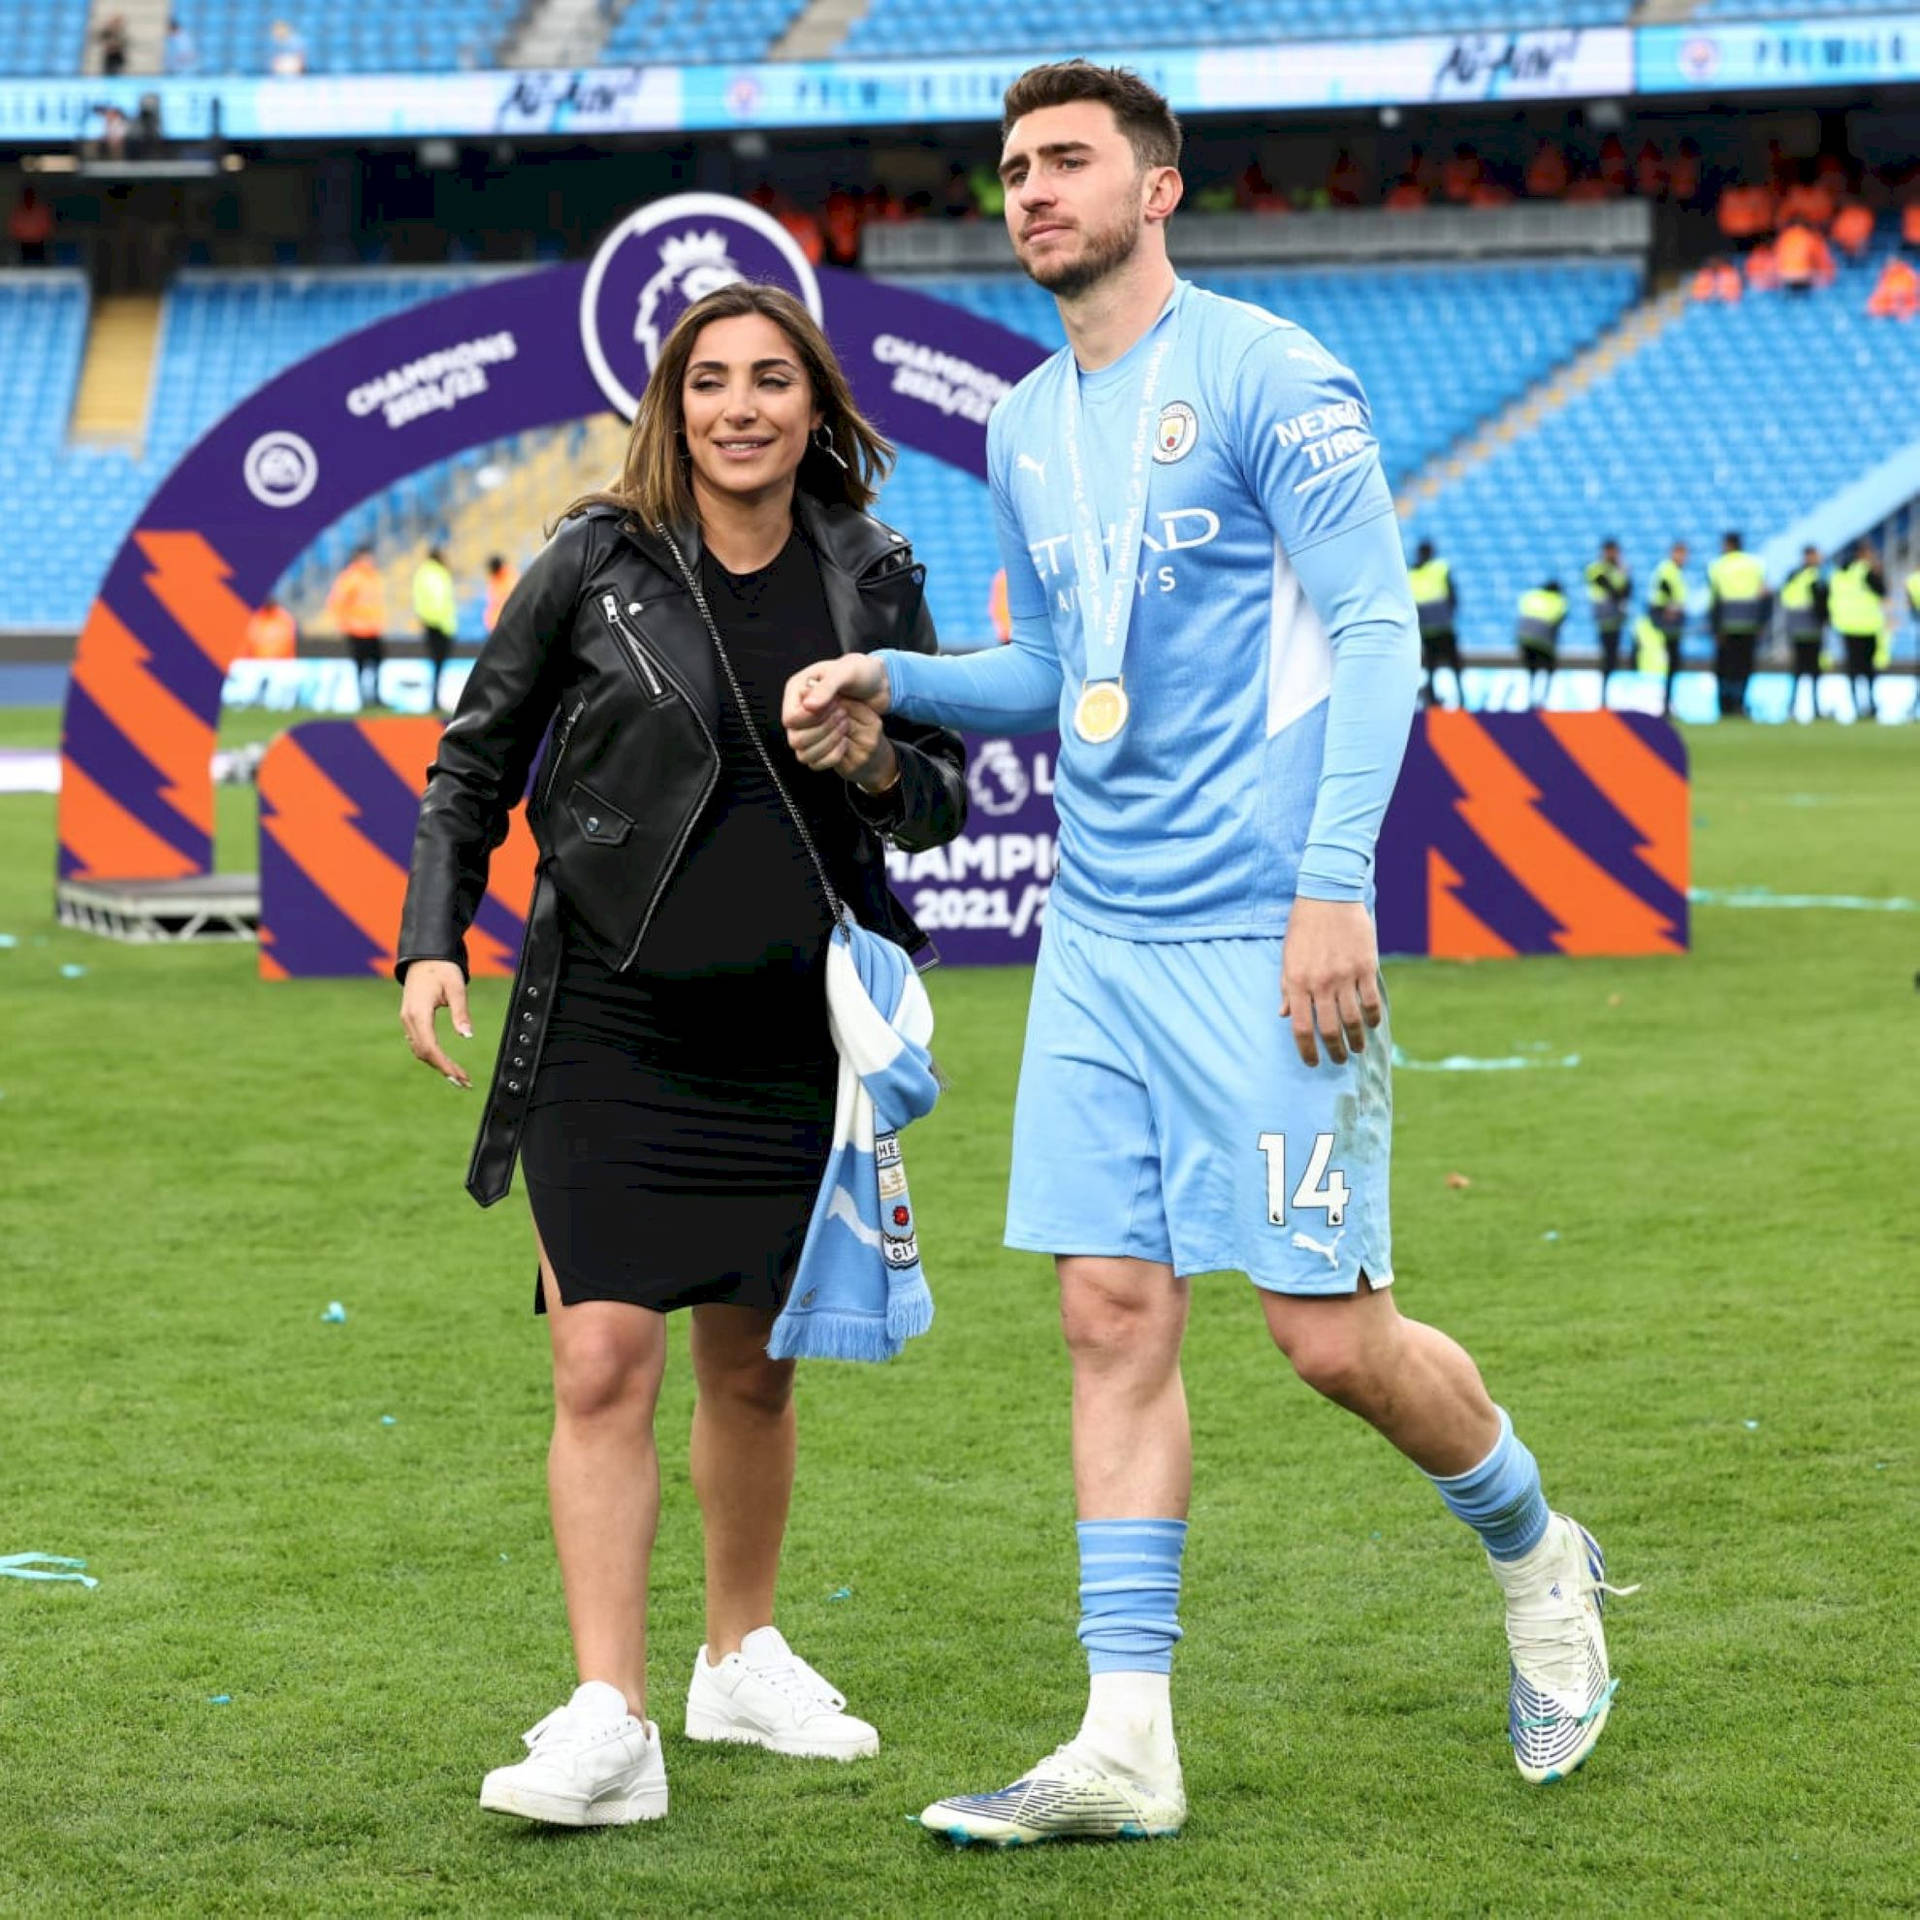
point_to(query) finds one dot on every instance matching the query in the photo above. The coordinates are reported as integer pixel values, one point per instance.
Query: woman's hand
(850, 740)
(431, 985)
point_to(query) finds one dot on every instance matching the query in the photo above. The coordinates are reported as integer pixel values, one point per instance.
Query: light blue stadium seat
(898, 28)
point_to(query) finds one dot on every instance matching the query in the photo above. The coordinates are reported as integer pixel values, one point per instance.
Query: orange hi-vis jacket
(271, 634)
(358, 601)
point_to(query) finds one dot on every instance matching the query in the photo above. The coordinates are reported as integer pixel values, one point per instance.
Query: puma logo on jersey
(1026, 463)
(1330, 1251)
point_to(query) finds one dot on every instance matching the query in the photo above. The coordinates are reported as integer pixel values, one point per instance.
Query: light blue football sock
(1130, 1593)
(1500, 1499)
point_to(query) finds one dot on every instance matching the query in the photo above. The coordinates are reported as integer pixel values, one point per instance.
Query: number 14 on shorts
(1322, 1187)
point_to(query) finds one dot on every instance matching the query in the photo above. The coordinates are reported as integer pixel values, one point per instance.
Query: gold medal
(1101, 712)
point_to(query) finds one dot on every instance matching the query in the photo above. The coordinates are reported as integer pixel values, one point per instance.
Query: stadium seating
(687, 32)
(1708, 428)
(1782, 9)
(892, 28)
(235, 36)
(1437, 348)
(223, 335)
(49, 36)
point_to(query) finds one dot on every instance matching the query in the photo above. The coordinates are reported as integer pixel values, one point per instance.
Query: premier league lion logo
(690, 268)
(658, 262)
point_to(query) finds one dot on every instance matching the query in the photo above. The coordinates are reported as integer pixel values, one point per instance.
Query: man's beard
(1103, 254)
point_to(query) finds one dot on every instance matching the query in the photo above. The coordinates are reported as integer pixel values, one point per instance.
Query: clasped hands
(832, 712)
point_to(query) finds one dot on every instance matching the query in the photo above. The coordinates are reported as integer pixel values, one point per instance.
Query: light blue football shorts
(1165, 1114)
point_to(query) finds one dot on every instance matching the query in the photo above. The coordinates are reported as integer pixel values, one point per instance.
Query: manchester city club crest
(658, 262)
(1179, 428)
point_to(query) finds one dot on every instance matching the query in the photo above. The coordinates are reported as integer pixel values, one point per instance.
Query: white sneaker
(589, 1764)
(1560, 1689)
(1070, 1795)
(767, 1696)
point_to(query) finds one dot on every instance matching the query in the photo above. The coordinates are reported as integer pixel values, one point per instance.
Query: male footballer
(1210, 600)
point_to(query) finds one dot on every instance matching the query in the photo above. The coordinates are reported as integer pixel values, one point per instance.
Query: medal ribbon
(1107, 591)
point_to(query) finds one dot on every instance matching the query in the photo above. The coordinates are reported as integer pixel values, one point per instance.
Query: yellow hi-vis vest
(1739, 584)
(1433, 595)
(1669, 598)
(1853, 606)
(1796, 597)
(1607, 590)
(1913, 590)
(1541, 613)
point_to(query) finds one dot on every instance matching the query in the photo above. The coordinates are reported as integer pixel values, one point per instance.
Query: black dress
(679, 1123)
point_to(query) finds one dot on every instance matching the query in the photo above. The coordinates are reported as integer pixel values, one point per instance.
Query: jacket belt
(490, 1172)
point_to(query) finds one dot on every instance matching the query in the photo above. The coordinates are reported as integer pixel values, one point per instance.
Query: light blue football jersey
(1271, 596)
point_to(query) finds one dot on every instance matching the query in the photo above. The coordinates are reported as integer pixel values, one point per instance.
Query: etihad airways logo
(1178, 531)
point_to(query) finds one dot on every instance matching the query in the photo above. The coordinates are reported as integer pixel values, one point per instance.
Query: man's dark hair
(1143, 115)
(1425, 553)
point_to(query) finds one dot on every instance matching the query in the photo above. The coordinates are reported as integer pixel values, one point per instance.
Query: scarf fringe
(909, 1309)
(836, 1336)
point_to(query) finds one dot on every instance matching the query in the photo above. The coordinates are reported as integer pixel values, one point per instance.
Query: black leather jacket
(601, 652)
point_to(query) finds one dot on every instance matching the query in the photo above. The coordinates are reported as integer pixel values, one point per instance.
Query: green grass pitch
(1716, 1361)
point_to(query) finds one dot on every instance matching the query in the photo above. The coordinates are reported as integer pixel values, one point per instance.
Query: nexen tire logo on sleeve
(656, 263)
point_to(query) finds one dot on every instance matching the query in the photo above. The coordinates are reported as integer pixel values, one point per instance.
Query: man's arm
(1328, 503)
(1357, 582)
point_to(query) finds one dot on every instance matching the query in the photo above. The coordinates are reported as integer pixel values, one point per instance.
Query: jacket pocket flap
(599, 822)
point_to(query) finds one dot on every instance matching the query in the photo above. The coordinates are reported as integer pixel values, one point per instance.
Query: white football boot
(1070, 1795)
(589, 1764)
(767, 1696)
(1560, 1689)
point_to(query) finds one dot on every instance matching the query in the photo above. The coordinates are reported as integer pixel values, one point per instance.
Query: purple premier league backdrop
(1591, 857)
(514, 353)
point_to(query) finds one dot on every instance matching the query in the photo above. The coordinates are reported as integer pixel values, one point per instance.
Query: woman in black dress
(666, 1078)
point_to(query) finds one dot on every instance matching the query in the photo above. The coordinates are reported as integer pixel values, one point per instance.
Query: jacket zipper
(610, 608)
(560, 740)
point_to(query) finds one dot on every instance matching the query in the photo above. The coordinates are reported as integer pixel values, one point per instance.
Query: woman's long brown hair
(655, 485)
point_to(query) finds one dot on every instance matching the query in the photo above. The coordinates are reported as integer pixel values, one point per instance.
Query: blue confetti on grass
(72, 970)
(842, 1593)
(9, 940)
(1766, 897)
(335, 1314)
(1466, 1063)
(219, 1699)
(36, 1566)
(1752, 1426)
(387, 1420)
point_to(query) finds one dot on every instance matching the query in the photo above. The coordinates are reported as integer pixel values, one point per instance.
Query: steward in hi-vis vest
(1737, 607)
(1609, 590)
(1543, 611)
(1803, 602)
(1437, 604)
(1667, 608)
(1857, 606)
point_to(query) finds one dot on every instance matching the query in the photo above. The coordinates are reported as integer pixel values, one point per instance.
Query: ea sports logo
(656, 263)
(280, 469)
